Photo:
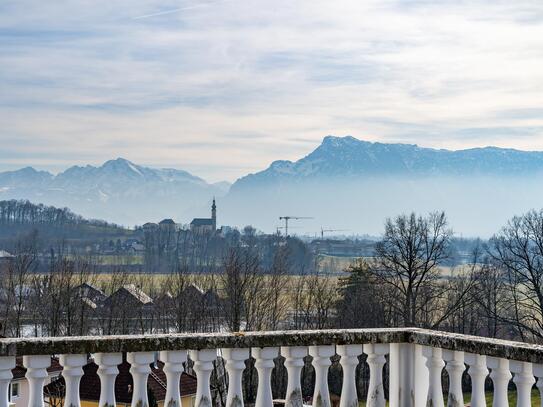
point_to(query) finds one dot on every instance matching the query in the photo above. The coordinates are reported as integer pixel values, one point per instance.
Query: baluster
(294, 362)
(321, 362)
(264, 365)
(140, 369)
(349, 360)
(500, 376)
(36, 373)
(173, 368)
(538, 372)
(235, 364)
(455, 368)
(376, 361)
(524, 380)
(203, 366)
(107, 371)
(6, 364)
(478, 372)
(401, 375)
(72, 371)
(435, 364)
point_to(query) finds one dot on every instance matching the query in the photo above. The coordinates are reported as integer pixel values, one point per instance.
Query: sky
(223, 88)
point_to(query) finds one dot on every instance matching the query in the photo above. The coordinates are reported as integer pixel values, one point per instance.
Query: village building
(130, 296)
(205, 225)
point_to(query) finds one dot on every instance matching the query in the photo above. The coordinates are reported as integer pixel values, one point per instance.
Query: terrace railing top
(520, 351)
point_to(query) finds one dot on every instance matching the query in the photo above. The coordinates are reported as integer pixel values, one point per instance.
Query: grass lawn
(536, 399)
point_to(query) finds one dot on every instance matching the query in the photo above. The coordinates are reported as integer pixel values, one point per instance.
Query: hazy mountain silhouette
(352, 184)
(344, 183)
(118, 191)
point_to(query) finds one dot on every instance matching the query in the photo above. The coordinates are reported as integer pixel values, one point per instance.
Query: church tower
(214, 215)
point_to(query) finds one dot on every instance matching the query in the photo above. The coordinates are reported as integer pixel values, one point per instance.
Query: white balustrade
(321, 362)
(294, 363)
(7, 363)
(140, 369)
(36, 373)
(500, 375)
(376, 361)
(107, 372)
(264, 365)
(415, 371)
(173, 368)
(72, 371)
(455, 368)
(203, 366)
(477, 372)
(235, 364)
(524, 381)
(435, 365)
(349, 360)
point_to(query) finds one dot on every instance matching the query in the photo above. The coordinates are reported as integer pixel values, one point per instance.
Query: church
(205, 225)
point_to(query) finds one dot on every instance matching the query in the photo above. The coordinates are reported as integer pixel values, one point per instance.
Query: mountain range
(344, 183)
(119, 190)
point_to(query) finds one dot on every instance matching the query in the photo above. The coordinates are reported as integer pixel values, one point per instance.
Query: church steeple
(214, 215)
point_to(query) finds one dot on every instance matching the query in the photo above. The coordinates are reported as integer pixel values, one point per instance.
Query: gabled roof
(127, 291)
(166, 222)
(90, 291)
(90, 384)
(137, 293)
(4, 254)
(201, 222)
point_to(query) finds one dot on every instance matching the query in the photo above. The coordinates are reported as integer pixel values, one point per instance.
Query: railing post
(107, 371)
(321, 362)
(376, 361)
(203, 366)
(435, 364)
(7, 363)
(173, 368)
(140, 369)
(72, 371)
(349, 360)
(478, 372)
(235, 364)
(294, 362)
(36, 374)
(500, 376)
(455, 368)
(538, 372)
(524, 380)
(402, 371)
(264, 365)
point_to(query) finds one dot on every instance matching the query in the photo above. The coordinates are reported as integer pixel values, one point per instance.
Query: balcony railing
(416, 360)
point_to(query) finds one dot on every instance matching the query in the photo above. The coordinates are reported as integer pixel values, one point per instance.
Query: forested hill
(20, 216)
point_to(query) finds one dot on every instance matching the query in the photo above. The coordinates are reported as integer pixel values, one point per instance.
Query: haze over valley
(345, 183)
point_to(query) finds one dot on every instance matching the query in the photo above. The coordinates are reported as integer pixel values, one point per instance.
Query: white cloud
(87, 80)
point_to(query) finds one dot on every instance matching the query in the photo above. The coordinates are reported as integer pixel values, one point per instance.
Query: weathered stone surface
(140, 343)
(521, 351)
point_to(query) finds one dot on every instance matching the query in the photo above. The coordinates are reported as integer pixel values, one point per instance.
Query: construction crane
(287, 218)
(323, 231)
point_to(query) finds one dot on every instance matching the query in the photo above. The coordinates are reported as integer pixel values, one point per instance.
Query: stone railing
(416, 360)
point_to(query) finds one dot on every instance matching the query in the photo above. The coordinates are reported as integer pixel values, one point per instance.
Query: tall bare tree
(407, 263)
(518, 250)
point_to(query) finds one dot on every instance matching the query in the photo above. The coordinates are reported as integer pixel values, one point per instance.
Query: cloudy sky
(222, 88)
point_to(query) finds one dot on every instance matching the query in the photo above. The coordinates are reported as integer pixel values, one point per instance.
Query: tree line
(24, 212)
(499, 293)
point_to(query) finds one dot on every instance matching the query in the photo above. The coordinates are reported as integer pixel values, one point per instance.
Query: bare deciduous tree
(406, 262)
